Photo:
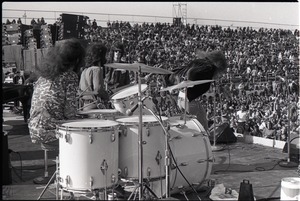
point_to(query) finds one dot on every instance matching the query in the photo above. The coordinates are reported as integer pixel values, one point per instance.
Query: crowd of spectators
(262, 73)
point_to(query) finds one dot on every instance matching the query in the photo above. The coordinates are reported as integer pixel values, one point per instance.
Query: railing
(102, 19)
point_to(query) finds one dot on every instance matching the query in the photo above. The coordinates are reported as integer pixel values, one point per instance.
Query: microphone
(130, 111)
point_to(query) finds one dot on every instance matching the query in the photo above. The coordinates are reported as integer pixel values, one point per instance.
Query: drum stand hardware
(167, 153)
(55, 174)
(141, 185)
(103, 169)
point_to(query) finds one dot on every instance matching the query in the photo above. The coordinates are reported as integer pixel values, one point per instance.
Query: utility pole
(25, 16)
(180, 11)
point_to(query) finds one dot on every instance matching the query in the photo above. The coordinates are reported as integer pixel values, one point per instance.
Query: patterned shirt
(52, 102)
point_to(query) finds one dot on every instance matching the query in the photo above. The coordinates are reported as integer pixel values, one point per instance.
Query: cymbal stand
(140, 130)
(185, 104)
(167, 153)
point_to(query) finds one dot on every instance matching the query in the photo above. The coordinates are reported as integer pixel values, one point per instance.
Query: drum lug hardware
(124, 131)
(103, 166)
(113, 136)
(58, 134)
(68, 180)
(148, 172)
(168, 127)
(173, 166)
(211, 160)
(113, 178)
(144, 142)
(91, 137)
(158, 157)
(181, 126)
(67, 137)
(195, 134)
(125, 172)
(60, 179)
(201, 161)
(184, 164)
(91, 182)
(148, 131)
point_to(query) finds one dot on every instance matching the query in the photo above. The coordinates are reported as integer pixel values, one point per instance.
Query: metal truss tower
(180, 11)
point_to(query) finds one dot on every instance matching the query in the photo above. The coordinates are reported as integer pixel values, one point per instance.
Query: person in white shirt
(242, 117)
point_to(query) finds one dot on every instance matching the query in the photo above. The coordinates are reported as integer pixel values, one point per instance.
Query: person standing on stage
(92, 78)
(117, 77)
(54, 97)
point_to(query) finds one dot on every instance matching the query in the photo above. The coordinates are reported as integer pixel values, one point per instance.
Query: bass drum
(190, 146)
(88, 154)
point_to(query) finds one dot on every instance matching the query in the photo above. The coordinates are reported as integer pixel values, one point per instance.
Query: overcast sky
(284, 14)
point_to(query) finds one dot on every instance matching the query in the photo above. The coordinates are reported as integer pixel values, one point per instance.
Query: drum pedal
(182, 191)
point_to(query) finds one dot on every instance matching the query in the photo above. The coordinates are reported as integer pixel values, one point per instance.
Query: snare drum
(192, 151)
(110, 114)
(153, 147)
(88, 154)
(128, 97)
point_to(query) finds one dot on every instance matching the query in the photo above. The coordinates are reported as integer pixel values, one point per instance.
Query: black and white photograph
(150, 100)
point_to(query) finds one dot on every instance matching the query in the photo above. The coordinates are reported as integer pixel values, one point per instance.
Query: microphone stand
(214, 147)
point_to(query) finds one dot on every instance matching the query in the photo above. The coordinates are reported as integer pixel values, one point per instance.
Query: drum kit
(160, 155)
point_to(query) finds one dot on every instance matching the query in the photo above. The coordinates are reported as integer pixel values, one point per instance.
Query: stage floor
(234, 163)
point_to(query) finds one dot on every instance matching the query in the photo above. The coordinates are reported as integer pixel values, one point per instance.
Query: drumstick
(86, 105)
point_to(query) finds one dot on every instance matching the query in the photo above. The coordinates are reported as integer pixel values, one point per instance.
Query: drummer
(91, 84)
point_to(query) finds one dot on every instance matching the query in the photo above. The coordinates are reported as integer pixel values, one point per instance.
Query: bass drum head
(190, 146)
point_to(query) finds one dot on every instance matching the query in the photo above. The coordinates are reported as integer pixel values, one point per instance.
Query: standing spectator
(19, 21)
(43, 21)
(242, 116)
(94, 24)
(33, 22)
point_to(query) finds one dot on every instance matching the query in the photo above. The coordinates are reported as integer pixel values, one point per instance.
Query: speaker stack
(72, 26)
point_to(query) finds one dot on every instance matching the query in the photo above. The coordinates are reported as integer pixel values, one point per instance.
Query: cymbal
(186, 84)
(135, 67)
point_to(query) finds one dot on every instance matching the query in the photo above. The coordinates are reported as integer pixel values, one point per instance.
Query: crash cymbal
(186, 84)
(135, 67)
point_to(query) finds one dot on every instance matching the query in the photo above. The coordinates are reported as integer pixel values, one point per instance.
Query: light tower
(180, 11)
